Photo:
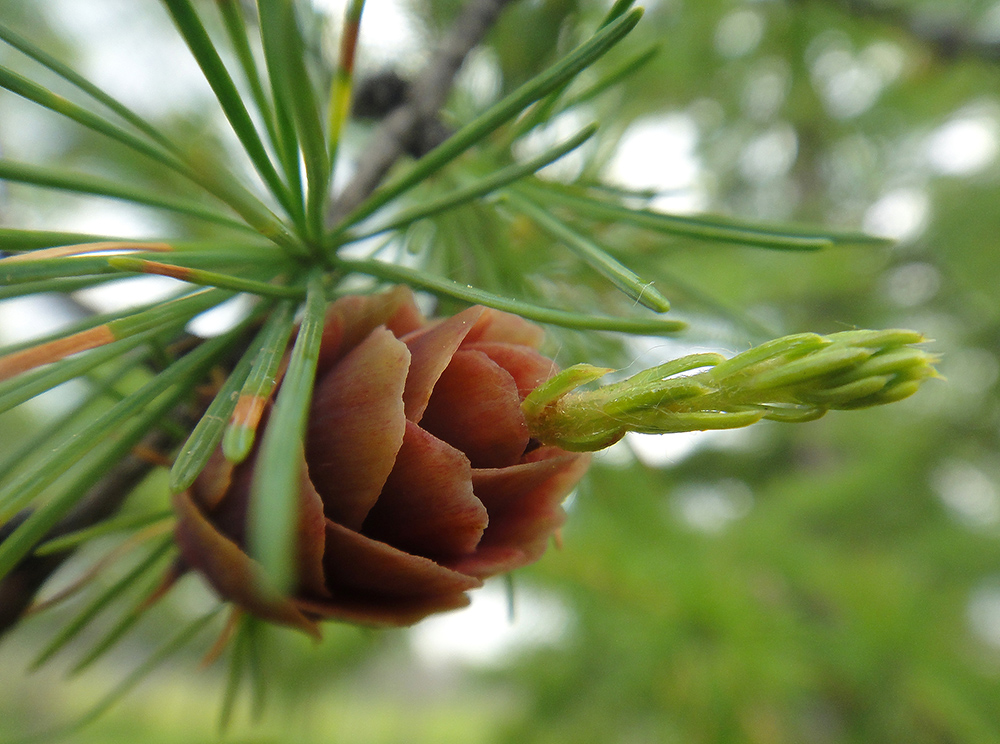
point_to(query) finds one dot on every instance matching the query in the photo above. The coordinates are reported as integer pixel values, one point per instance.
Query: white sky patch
(850, 83)
(128, 62)
(970, 371)
(484, 635)
(766, 88)
(221, 318)
(56, 401)
(134, 291)
(109, 217)
(965, 145)
(886, 58)
(618, 455)
(553, 133)
(708, 114)
(27, 136)
(738, 33)
(970, 495)
(648, 351)
(481, 77)
(912, 283)
(660, 154)
(711, 506)
(665, 450)
(900, 214)
(668, 450)
(988, 26)
(848, 89)
(769, 155)
(388, 32)
(983, 614)
(25, 318)
(128, 293)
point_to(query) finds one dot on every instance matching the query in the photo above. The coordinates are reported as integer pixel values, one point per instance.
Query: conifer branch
(406, 126)
(396, 135)
(18, 589)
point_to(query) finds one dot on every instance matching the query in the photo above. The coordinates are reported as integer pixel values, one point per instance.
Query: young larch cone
(419, 477)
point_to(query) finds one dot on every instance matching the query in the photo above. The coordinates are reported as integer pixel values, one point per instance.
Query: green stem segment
(205, 278)
(593, 255)
(260, 383)
(201, 46)
(716, 229)
(503, 111)
(293, 89)
(448, 288)
(481, 187)
(274, 491)
(792, 379)
(84, 184)
(340, 90)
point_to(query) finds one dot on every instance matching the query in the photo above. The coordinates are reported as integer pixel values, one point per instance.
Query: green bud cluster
(794, 378)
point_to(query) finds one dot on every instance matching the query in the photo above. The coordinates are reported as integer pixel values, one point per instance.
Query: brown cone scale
(419, 478)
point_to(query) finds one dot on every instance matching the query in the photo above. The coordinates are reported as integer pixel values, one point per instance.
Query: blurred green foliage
(836, 582)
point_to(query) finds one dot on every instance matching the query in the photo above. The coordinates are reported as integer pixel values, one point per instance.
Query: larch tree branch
(402, 130)
(19, 587)
(394, 137)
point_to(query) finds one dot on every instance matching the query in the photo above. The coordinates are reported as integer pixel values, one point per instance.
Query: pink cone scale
(419, 477)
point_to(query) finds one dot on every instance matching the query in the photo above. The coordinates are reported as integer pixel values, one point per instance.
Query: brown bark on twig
(19, 587)
(400, 131)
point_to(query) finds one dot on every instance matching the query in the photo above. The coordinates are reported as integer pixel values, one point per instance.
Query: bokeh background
(832, 582)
